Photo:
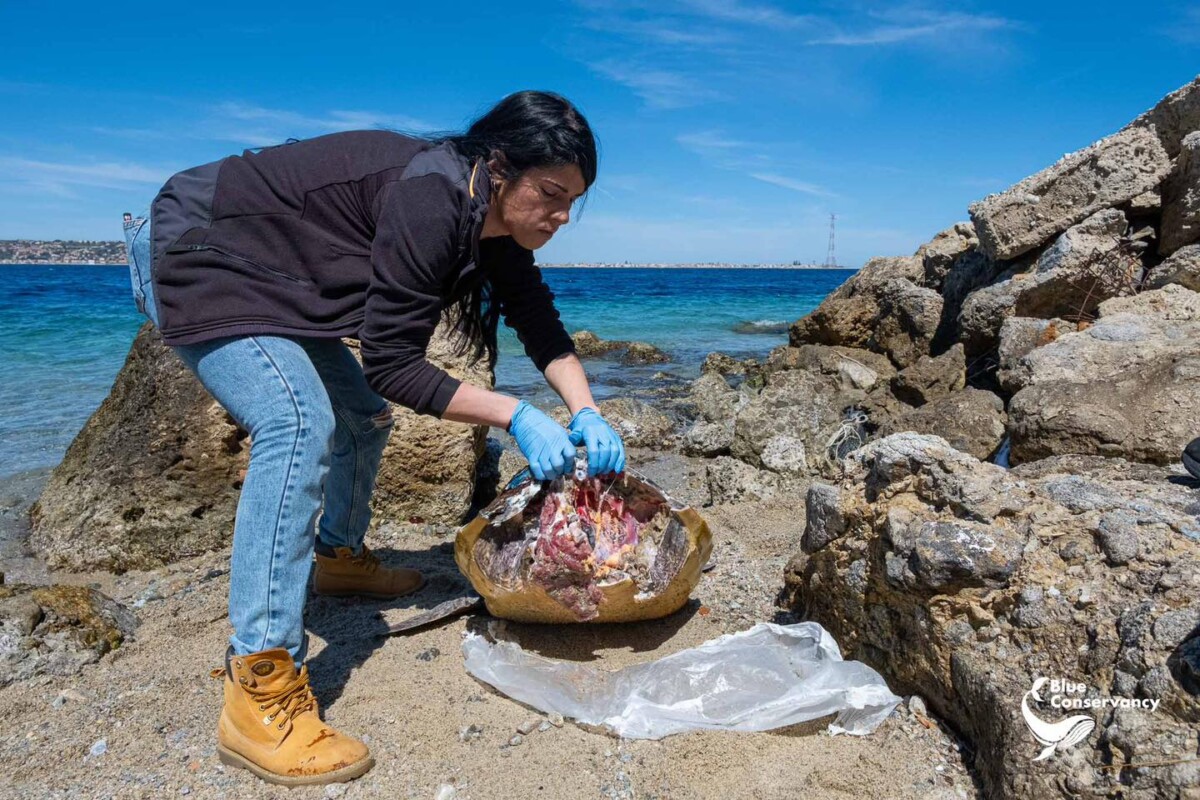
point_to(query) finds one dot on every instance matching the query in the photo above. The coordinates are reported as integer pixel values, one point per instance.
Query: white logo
(1054, 735)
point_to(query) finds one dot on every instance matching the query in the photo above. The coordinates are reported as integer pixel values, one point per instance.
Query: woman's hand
(544, 443)
(605, 450)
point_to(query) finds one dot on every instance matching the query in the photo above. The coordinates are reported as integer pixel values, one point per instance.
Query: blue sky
(729, 130)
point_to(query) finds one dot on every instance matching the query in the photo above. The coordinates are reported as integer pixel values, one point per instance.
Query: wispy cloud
(658, 88)
(64, 179)
(902, 26)
(749, 14)
(708, 142)
(245, 123)
(796, 186)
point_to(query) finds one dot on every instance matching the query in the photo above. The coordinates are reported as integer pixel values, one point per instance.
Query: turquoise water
(66, 330)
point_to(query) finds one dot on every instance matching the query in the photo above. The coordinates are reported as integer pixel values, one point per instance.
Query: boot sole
(372, 595)
(232, 759)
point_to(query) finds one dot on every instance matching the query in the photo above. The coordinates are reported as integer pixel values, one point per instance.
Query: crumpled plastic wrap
(769, 676)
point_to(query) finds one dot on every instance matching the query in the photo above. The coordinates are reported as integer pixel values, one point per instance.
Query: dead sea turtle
(578, 549)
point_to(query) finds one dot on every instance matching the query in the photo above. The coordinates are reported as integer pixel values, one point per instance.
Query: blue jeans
(317, 434)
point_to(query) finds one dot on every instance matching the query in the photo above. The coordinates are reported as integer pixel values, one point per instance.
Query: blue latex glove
(605, 450)
(543, 442)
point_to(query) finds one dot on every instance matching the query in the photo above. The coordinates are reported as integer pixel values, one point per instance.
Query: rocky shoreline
(964, 464)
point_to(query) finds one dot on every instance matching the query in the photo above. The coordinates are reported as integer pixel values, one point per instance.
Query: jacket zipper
(191, 248)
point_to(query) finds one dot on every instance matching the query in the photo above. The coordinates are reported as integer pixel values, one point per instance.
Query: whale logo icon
(1054, 736)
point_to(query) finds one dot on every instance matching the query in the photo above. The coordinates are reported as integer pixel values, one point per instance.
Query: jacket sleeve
(416, 246)
(525, 300)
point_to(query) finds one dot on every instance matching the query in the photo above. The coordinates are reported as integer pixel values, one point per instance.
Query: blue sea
(66, 330)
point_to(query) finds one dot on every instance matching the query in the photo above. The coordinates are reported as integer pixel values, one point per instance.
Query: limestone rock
(971, 420)
(850, 314)
(939, 255)
(589, 345)
(708, 439)
(1019, 336)
(1174, 117)
(855, 367)
(963, 581)
(1181, 267)
(931, 377)
(1123, 387)
(1106, 174)
(730, 480)
(805, 406)
(909, 319)
(57, 630)
(151, 478)
(1181, 199)
(714, 399)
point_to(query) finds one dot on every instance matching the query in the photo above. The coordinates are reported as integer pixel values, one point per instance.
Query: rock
(785, 454)
(709, 439)
(939, 255)
(714, 399)
(849, 315)
(1181, 199)
(445, 791)
(931, 377)
(516, 740)
(429, 465)
(642, 353)
(722, 364)
(470, 733)
(336, 790)
(529, 726)
(151, 478)
(854, 367)
(1108, 173)
(1123, 387)
(1181, 267)
(98, 748)
(1174, 117)
(557, 720)
(807, 407)
(730, 480)
(154, 475)
(1145, 203)
(1118, 537)
(971, 420)
(428, 654)
(1085, 266)
(954, 578)
(57, 630)
(909, 319)
(589, 345)
(1019, 336)
(638, 424)
(824, 521)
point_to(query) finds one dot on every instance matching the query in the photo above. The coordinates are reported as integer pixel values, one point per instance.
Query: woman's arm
(565, 375)
(482, 407)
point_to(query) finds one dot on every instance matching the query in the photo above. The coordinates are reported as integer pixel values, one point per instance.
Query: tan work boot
(347, 574)
(270, 725)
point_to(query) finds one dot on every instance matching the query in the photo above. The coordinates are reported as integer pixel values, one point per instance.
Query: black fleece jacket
(369, 234)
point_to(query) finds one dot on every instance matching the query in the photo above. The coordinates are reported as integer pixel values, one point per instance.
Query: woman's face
(534, 205)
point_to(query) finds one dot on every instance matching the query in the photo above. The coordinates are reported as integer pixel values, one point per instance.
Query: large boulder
(931, 377)
(1126, 386)
(1087, 264)
(1019, 336)
(152, 477)
(851, 313)
(790, 425)
(964, 583)
(1181, 199)
(971, 421)
(940, 254)
(589, 345)
(155, 474)
(854, 367)
(1181, 267)
(1108, 173)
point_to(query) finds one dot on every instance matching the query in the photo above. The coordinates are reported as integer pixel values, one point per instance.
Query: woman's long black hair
(524, 130)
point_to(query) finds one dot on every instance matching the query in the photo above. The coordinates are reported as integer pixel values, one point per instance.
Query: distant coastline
(69, 253)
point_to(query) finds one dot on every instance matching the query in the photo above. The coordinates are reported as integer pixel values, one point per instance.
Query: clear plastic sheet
(766, 677)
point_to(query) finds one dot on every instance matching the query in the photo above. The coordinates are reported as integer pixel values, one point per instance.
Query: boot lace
(289, 701)
(367, 560)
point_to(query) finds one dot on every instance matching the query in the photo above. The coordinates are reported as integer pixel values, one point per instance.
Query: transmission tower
(831, 256)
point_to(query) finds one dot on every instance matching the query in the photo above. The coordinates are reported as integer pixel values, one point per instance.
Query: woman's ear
(498, 167)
